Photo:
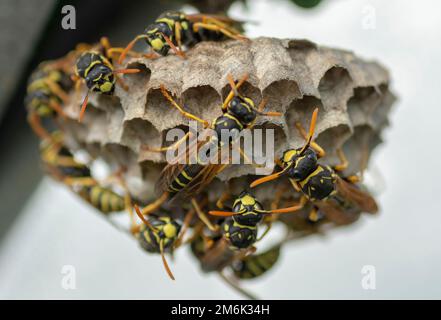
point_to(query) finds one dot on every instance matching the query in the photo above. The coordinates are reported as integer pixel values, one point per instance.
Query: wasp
(240, 227)
(61, 164)
(321, 185)
(173, 30)
(46, 92)
(94, 67)
(238, 113)
(233, 245)
(160, 234)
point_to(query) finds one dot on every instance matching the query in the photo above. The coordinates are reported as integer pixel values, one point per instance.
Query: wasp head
(301, 164)
(155, 37)
(250, 211)
(101, 79)
(243, 109)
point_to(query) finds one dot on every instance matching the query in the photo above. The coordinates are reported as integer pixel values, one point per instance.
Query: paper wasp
(94, 67)
(46, 92)
(160, 234)
(239, 112)
(240, 227)
(322, 185)
(233, 245)
(173, 30)
(61, 165)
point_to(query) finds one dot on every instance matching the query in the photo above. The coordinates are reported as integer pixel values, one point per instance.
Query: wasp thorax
(302, 164)
(242, 109)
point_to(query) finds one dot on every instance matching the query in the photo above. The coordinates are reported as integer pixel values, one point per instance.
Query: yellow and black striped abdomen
(255, 265)
(319, 184)
(187, 174)
(103, 199)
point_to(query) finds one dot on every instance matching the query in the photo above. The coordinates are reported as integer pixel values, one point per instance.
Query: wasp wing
(355, 195)
(336, 213)
(220, 20)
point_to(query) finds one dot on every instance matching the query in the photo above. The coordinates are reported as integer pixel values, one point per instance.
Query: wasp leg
(353, 179)
(59, 92)
(178, 30)
(155, 205)
(220, 202)
(203, 216)
(186, 224)
(213, 27)
(173, 146)
(57, 108)
(36, 126)
(219, 23)
(105, 44)
(127, 198)
(181, 110)
(122, 84)
(119, 51)
(129, 47)
(343, 161)
(247, 159)
(81, 181)
(235, 286)
(268, 228)
(313, 215)
(124, 71)
(314, 145)
(296, 207)
(83, 108)
(278, 197)
(177, 51)
(295, 185)
(234, 88)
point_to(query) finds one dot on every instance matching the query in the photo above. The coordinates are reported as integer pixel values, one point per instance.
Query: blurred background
(43, 227)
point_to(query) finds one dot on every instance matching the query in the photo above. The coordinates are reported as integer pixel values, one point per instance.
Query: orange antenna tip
(221, 213)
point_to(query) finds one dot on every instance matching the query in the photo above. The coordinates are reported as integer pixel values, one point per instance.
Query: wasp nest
(295, 76)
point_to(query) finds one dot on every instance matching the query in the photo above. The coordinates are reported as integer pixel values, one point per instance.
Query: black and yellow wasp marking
(239, 112)
(256, 265)
(60, 164)
(240, 227)
(173, 30)
(321, 184)
(95, 68)
(46, 92)
(103, 199)
(159, 234)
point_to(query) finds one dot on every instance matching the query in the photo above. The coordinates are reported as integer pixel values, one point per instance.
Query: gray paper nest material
(295, 76)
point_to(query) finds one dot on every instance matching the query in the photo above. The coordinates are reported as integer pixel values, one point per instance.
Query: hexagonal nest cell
(295, 76)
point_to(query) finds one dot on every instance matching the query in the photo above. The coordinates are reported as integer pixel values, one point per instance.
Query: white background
(403, 242)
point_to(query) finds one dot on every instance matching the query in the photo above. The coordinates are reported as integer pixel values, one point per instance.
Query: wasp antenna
(83, 107)
(311, 130)
(164, 261)
(146, 222)
(129, 47)
(173, 47)
(222, 213)
(271, 177)
(293, 208)
(242, 80)
(232, 83)
(127, 71)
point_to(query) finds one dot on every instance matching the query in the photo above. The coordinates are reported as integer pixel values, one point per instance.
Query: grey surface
(402, 242)
(17, 40)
